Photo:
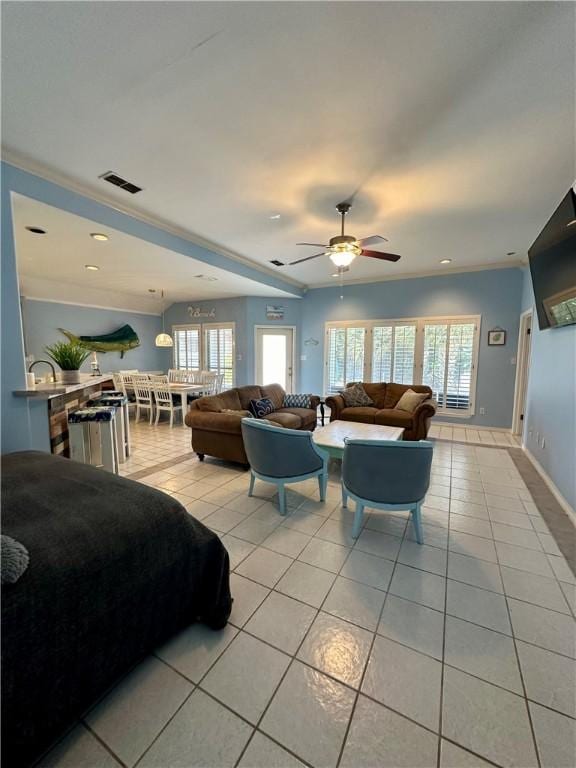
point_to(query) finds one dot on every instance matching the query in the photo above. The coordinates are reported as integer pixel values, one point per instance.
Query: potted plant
(69, 356)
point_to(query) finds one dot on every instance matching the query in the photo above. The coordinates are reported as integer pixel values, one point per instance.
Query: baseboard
(436, 423)
(551, 485)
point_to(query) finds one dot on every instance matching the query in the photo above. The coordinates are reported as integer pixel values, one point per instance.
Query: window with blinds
(449, 363)
(219, 351)
(393, 349)
(345, 359)
(186, 347)
(439, 353)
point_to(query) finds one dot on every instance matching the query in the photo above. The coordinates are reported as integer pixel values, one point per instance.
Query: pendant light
(164, 339)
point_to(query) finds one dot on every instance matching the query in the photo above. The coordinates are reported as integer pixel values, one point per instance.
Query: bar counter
(60, 398)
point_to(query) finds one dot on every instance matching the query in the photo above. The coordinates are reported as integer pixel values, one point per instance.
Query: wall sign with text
(200, 312)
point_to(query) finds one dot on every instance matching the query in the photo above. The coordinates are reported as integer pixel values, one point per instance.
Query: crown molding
(25, 163)
(89, 306)
(415, 275)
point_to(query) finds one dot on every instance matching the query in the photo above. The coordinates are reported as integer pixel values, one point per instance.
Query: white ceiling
(53, 266)
(456, 120)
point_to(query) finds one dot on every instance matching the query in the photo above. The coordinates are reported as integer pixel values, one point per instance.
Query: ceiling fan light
(164, 340)
(342, 258)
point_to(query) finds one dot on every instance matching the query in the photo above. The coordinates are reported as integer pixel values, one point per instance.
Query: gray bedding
(115, 569)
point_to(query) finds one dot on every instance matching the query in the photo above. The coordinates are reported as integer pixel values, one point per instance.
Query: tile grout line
(443, 668)
(520, 672)
(364, 671)
(414, 602)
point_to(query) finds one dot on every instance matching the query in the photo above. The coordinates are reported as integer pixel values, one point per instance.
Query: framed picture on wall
(496, 338)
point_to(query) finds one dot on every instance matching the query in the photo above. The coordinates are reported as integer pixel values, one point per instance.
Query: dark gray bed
(115, 569)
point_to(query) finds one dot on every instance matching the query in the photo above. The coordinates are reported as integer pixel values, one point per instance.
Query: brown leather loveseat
(384, 411)
(215, 420)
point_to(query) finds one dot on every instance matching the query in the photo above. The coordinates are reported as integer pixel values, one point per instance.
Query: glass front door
(275, 357)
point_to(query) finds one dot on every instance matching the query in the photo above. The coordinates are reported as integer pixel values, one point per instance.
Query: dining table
(187, 390)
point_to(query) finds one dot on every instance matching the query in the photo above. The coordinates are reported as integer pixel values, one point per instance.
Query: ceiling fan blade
(372, 240)
(380, 255)
(307, 259)
(316, 245)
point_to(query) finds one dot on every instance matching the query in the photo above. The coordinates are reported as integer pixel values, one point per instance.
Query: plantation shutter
(187, 347)
(448, 363)
(404, 344)
(393, 348)
(460, 366)
(382, 350)
(219, 348)
(345, 356)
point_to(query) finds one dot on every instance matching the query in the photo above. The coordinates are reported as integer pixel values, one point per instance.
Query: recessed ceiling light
(445, 261)
(571, 223)
(91, 267)
(511, 253)
(36, 230)
(275, 217)
(99, 236)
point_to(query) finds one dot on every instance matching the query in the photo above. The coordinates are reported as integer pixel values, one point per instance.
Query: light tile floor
(376, 653)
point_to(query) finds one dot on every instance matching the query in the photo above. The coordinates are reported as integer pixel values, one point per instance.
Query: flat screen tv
(553, 267)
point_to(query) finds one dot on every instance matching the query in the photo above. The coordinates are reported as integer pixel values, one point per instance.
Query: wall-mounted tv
(553, 266)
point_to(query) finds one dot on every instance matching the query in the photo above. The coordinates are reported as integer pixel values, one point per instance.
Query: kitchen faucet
(47, 363)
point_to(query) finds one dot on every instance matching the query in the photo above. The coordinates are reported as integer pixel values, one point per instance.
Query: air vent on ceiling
(118, 181)
(277, 263)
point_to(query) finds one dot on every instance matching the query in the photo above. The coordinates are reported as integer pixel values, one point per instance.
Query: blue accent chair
(278, 455)
(386, 474)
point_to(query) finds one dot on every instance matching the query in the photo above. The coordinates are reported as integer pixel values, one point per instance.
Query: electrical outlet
(543, 443)
(482, 411)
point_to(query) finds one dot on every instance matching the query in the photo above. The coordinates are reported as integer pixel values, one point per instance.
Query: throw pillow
(261, 408)
(410, 400)
(297, 401)
(355, 396)
(15, 559)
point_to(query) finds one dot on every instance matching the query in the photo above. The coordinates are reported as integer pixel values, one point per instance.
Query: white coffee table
(331, 437)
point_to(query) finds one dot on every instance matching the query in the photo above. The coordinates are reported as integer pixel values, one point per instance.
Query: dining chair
(164, 401)
(144, 396)
(209, 380)
(120, 385)
(127, 379)
(176, 376)
(281, 456)
(386, 474)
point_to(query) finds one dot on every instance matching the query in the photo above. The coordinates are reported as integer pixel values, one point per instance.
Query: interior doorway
(522, 372)
(275, 355)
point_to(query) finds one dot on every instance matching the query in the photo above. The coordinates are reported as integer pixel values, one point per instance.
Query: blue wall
(41, 320)
(18, 428)
(246, 312)
(551, 400)
(15, 414)
(493, 294)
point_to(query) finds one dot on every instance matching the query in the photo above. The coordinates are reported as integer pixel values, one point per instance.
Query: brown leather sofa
(215, 420)
(384, 411)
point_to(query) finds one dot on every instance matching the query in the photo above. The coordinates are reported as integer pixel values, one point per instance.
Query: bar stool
(92, 434)
(117, 399)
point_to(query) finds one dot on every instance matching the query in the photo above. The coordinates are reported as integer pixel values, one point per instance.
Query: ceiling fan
(343, 249)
